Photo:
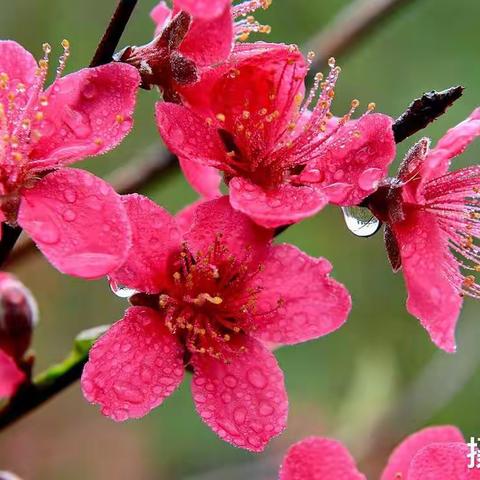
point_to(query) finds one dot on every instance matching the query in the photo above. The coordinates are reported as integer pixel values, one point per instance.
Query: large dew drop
(360, 221)
(121, 291)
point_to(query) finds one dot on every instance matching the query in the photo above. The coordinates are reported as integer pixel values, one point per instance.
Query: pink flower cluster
(436, 453)
(211, 293)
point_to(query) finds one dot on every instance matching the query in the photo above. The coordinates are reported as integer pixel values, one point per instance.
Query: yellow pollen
(469, 281)
(355, 103)
(246, 114)
(98, 141)
(200, 300)
(371, 106)
(46, 47)
(177, 276)
(120, 118)
(17, 156)
(220, 117)
(65, 44)
(39, 116)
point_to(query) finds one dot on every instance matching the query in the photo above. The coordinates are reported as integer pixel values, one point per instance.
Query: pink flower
(75, 218)
(208, 299)
(431, 217)
(282, 161)
(436, 453)
(11, 377)
(18, 317)
(191, 36)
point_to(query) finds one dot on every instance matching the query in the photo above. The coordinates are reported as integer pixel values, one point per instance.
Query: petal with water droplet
(155, 235)
(89, 112)
(253, 383)
(319, 458)
(127, 371)
(303, 301)
(71, 231)
(401, 458)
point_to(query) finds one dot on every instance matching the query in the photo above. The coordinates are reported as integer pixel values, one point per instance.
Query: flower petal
(216, 46)
(426, 262)
(244, 402)
(11, 377)
(89, 112)
(256, 87)
(401, 458)
(155, 235)
(358, 156)
(20, 66)
(186, 216)
(452, 144)
(205, 180)
(203, 8)
(242, 237)
(284, 205)
(78, 222)
(443, 461)
(188, 135)
(160, 15)
(134, 366)
(312, 304)
(319, 458)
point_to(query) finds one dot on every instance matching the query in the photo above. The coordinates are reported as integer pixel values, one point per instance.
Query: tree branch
(32, 396)
(114, 32)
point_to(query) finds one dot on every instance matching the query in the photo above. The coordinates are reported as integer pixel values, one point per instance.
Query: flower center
(211, 303)
(21, 122)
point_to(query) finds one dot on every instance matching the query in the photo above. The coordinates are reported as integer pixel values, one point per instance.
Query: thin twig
(31, 396)
(114, 32)
(425, 110)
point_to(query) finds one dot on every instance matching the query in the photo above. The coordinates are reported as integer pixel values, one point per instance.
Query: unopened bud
(18, 316)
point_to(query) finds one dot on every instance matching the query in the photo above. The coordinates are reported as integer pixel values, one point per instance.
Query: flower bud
(18, 316)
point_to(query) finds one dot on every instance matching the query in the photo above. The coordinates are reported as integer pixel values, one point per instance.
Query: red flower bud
(18, 316)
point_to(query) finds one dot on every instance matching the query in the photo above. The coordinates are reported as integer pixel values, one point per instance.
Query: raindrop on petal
(121, 290)
(360, 221)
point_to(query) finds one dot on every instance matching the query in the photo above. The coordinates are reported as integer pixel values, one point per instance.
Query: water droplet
(69, 215)
(230, 381)
(360, 221)
(266, 409)
(70, 195)
(240, 415)
(89, 90)
(128, 393)
(256, 378)
(312, 176)
(121, 290)
(370, 179)
(338, 192)
(48, 233)
(78, 122)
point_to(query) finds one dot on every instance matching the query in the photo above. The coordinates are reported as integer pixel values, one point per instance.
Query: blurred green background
(370, 383)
